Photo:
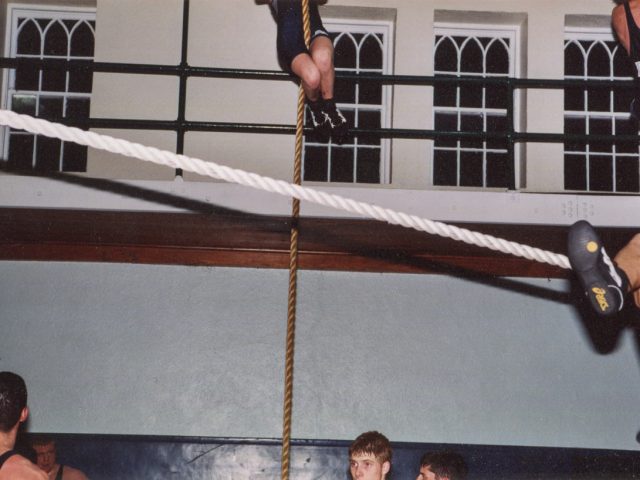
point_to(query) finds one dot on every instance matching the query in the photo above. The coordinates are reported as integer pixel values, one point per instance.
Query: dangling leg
(310, 77)
(322, 54)
(605, 284)
(293, 53)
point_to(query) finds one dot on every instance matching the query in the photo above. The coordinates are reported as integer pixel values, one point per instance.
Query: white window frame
(597, 34)
(513, 33)
(14, 12)
(386, 29)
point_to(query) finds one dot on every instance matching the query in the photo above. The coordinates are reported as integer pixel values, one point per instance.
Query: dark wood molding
(244, 240)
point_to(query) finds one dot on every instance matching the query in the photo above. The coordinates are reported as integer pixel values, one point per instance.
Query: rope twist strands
(232, 175)
(293, 267)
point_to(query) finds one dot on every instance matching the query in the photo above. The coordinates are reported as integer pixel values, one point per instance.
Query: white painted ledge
(440, 205)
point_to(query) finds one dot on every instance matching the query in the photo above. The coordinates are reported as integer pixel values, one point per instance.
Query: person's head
(442, 466)
(13, 401)
(45, 448)
(370, 456)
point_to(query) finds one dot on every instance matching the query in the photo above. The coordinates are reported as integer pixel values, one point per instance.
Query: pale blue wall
(111, 348)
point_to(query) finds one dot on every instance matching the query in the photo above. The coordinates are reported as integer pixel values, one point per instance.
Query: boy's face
(365, 466)
(427, 474)
(46, 456)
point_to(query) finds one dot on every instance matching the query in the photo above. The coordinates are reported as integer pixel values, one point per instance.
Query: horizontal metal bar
(125, 124)
(252, 74)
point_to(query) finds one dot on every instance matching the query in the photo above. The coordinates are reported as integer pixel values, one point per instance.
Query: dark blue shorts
(290, 31)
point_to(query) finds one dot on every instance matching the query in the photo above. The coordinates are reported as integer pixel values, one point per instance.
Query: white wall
(110, 348)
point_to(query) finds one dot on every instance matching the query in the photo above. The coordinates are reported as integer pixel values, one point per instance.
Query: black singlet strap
(634, 34)
(59, 475)
(5, 456)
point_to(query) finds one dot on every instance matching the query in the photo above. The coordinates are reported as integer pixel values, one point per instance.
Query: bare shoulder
(619, 24)
(19, 468)
(617, 14)
(71, 473)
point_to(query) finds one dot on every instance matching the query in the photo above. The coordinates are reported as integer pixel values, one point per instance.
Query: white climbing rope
(232, 175)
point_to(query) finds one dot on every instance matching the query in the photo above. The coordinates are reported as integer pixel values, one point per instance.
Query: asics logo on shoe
(318, 118)
(601, 298)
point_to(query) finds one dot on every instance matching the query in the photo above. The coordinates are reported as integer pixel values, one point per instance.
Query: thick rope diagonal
(232, 175)
(287, 413)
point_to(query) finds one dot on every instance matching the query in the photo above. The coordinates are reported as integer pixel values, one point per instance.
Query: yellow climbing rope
(293, 267)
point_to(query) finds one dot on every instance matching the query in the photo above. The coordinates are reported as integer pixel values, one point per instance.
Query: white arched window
(489, 53)
(360, 47)
(51, 94)
(602, 166)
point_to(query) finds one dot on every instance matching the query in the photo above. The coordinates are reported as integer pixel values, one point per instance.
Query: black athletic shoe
(339, 125)
(605, 285)
(319, 121)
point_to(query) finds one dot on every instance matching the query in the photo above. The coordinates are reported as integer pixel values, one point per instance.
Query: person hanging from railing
(313, 66)
(625, 19)
(607, 282)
